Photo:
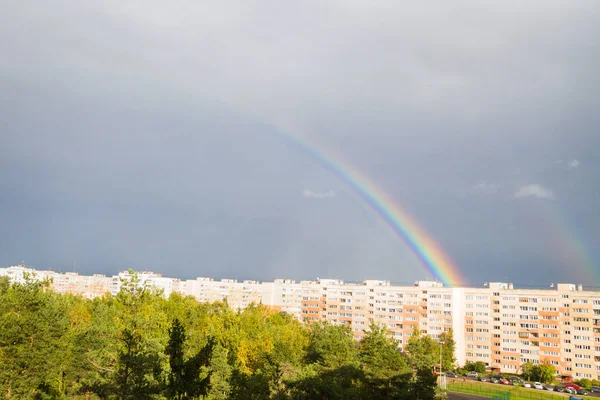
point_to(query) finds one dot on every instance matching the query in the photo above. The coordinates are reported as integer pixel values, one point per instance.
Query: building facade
(497, 324)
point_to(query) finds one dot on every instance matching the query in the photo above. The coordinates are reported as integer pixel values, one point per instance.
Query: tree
(315, 382)
(220, 375)
(478, 366)
(33, 336)
(424, 384)
(332, 346)
(546, 372)
(448, 348)
(585, 383)
(527, 370)
(381, 362)
(422, 350)
(137, 369)
(176, 381)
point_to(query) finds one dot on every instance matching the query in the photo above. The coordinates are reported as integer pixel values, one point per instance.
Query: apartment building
(497, 324)
(283, 295)
(89, 287)
(144, 279)
(238, 295)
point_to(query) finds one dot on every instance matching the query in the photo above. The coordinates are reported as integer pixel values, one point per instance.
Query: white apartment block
(144, 279)
(497, 324)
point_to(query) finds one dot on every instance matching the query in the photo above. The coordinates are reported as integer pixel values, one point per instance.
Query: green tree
(220, 374)
(176, 381)
(424, 385)
(33, 337)
(448, 349)
(138, 369)
(332, 346)
(478, 366)
(315, 382)
(545, 372)
(382, 363)
(422, 350)
(527, 370)
(585, 383)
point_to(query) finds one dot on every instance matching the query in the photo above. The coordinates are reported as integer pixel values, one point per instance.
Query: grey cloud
(130, 125)
(573, 164)
(533, 190)
(318, 195)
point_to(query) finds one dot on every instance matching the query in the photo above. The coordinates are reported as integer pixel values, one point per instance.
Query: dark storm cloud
(144, 134)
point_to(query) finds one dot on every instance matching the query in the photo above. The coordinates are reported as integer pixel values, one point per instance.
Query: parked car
(472, 374)
(515, 380)
(526, 384)
(573, 386)
(548, 386)
(538, 385)
(451, 375)
(483, 378)
(582, 391)
(570, 390)
(560, 388)
(595, 389)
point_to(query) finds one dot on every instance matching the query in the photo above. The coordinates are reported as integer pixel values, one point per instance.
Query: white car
(538, 385)
(527, 385)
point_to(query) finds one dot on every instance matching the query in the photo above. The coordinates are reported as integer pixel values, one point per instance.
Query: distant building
(498, 325)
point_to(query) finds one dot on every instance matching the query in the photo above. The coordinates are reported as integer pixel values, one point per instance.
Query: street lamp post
(442, 380)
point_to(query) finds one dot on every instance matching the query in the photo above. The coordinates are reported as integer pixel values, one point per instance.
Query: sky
(153, 135)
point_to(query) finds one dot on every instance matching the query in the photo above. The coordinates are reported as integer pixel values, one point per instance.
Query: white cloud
(309, 194)
(534, 190)
(483, 187)
(573, 164)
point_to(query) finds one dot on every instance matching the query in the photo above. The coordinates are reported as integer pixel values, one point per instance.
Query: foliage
(546, 372)
(139, 345)
(382, 362)
(184, 378)
(543, 372)
(478, 366)
(585, 383)
(332, 346)
(527, 370)
(448, 350)
(440, 394)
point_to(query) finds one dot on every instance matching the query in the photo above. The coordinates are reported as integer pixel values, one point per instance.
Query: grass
(491, 390)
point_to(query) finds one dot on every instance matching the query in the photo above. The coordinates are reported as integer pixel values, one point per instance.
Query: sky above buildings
(154, 135)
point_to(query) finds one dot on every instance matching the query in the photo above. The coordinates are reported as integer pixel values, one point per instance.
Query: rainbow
(400, 221)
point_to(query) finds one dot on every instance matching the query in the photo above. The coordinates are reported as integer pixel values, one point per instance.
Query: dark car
(559, 388)
(595, 389)
(582, 391)
(451, 375)
(484, 379)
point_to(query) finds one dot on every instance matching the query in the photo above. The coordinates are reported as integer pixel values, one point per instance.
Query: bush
(440, 394)
(585, 383)
(478, 366)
